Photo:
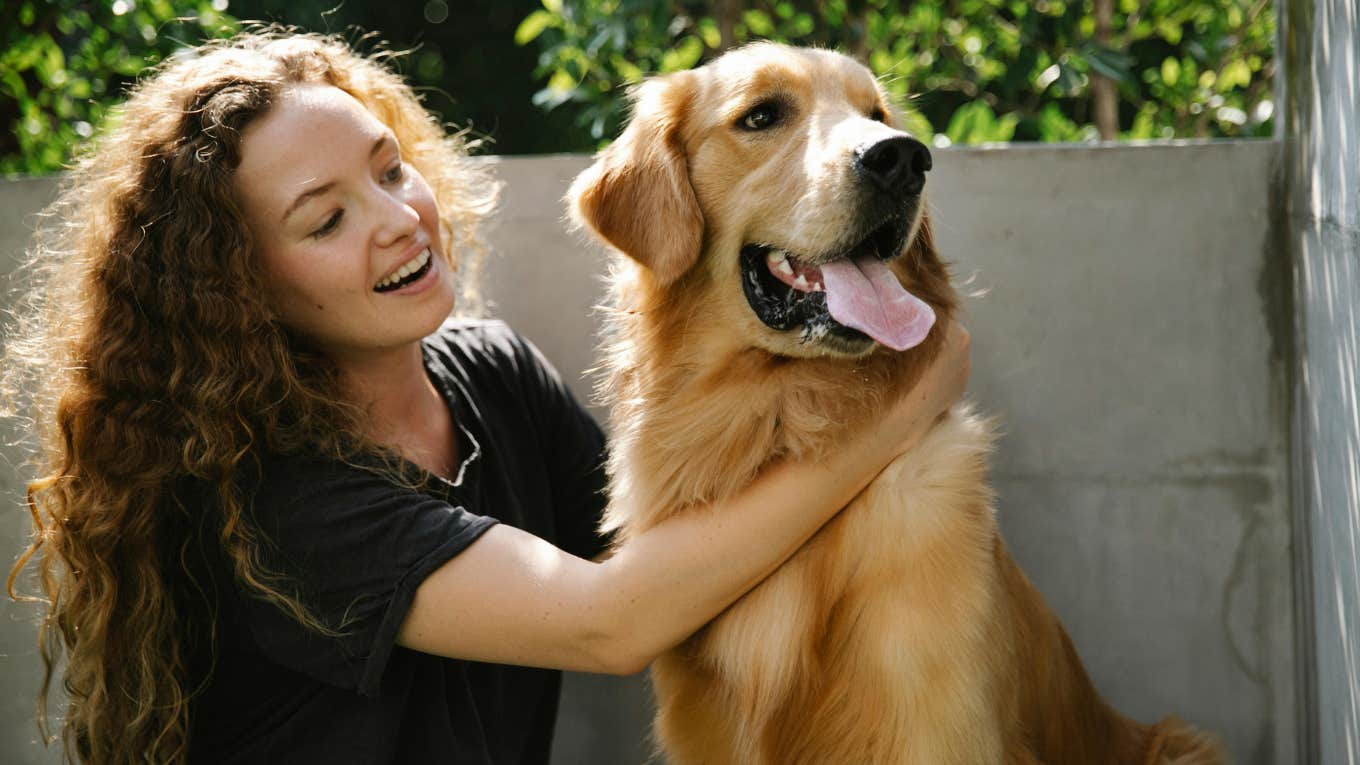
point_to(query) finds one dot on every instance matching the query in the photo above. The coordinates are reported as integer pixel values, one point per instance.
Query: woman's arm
(513, 598)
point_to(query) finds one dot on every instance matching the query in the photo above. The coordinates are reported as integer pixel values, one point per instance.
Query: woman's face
(348, 233)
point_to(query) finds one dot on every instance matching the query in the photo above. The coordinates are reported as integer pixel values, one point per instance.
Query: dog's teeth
(817, 287)
(800, 283)
(784, 268)
(775, 257)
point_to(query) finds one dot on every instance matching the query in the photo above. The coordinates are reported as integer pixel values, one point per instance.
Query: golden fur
(902, 632)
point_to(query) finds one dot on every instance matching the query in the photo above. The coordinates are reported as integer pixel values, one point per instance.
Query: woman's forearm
(666, 582)
(514, 598)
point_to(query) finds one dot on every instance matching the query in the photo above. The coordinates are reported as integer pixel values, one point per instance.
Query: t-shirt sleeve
(354, 548)
(575, 453)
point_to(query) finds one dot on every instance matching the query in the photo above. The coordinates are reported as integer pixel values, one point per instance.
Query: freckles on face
(347, 232)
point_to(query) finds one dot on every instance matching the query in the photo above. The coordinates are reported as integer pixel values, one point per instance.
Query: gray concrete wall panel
(20, 664)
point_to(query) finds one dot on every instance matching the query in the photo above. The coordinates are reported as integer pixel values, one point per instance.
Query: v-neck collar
(462, 409)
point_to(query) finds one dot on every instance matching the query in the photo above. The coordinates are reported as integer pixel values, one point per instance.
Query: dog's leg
(763, 644)
(694, 721)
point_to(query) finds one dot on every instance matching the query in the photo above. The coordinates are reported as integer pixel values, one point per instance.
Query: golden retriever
(778, 287)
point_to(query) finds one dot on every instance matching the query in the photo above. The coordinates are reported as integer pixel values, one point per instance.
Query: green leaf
(1110, 63)
(684, 55)
(533, 26)
(13, 85)
(1005, 128)
(1170, 31)
(1055, 127)
(25, 54)
(759, 23)
(627, 70)
(1234, 74)
(975, 123)
(1171, 70)
(917, 125)
(52, 68)
(1144, 128)
(708, 31)
(561, 81)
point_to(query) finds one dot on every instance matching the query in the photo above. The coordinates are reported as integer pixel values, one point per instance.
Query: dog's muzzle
(849, 298)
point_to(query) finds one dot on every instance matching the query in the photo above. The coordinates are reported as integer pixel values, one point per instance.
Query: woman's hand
(911, 416)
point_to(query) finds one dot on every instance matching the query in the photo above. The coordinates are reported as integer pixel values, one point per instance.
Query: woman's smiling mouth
(406, 273)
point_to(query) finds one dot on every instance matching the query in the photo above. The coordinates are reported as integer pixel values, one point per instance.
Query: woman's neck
(405, 409)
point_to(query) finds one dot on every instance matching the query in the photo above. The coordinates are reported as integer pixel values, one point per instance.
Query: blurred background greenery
(541, 76)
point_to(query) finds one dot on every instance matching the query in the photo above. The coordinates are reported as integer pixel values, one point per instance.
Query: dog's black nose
(896, 165)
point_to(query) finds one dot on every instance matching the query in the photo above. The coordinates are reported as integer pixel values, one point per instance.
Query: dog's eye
(761, 117)
(878, 115)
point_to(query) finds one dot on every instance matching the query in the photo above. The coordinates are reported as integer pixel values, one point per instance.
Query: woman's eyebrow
(304, 196)
(383, 140)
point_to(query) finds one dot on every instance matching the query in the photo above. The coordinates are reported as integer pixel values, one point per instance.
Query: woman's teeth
(406, 269)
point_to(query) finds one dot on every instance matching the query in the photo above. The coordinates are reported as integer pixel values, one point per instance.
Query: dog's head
(774, 180)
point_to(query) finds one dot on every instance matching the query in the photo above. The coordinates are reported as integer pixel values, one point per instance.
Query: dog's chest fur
(886, 601)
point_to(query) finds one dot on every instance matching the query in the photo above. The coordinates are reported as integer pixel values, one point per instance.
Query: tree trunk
(726, 13)
(859, 36)
(1104, 95)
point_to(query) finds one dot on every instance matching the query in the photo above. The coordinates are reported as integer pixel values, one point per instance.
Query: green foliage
(63, 63)
(590, 49)
(974, 71)
(968, 71)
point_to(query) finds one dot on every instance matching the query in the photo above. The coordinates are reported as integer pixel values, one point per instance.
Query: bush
(972, 71)
(64, 62)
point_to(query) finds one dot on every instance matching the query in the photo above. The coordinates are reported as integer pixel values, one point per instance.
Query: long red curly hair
(149, 358)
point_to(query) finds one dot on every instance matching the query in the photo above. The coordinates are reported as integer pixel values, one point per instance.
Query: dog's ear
(637, 196)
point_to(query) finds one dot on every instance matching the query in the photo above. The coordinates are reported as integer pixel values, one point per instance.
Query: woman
(287, 512)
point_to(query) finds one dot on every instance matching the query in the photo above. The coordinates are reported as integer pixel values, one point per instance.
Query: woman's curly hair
(150, 360)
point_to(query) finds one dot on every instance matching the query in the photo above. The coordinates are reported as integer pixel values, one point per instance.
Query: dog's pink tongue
(864, 294)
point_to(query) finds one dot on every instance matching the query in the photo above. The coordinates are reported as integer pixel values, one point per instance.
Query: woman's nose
(397, 219)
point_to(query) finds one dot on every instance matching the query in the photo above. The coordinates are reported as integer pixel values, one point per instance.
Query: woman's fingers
(939, 388)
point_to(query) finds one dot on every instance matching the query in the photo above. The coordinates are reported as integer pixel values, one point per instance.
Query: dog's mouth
(849, 300)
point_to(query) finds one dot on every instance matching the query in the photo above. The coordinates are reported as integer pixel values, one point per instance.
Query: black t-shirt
(357, 547)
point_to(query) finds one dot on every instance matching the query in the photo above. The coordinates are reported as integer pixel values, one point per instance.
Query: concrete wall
(1126, 329)
(20, 665)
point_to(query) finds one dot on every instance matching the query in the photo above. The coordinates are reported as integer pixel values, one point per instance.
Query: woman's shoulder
(489, 358)
(482, 337)
(489, 345)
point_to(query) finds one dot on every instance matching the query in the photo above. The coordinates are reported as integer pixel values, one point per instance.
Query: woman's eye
(761, 117)
(329, 226)
(395, 173)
